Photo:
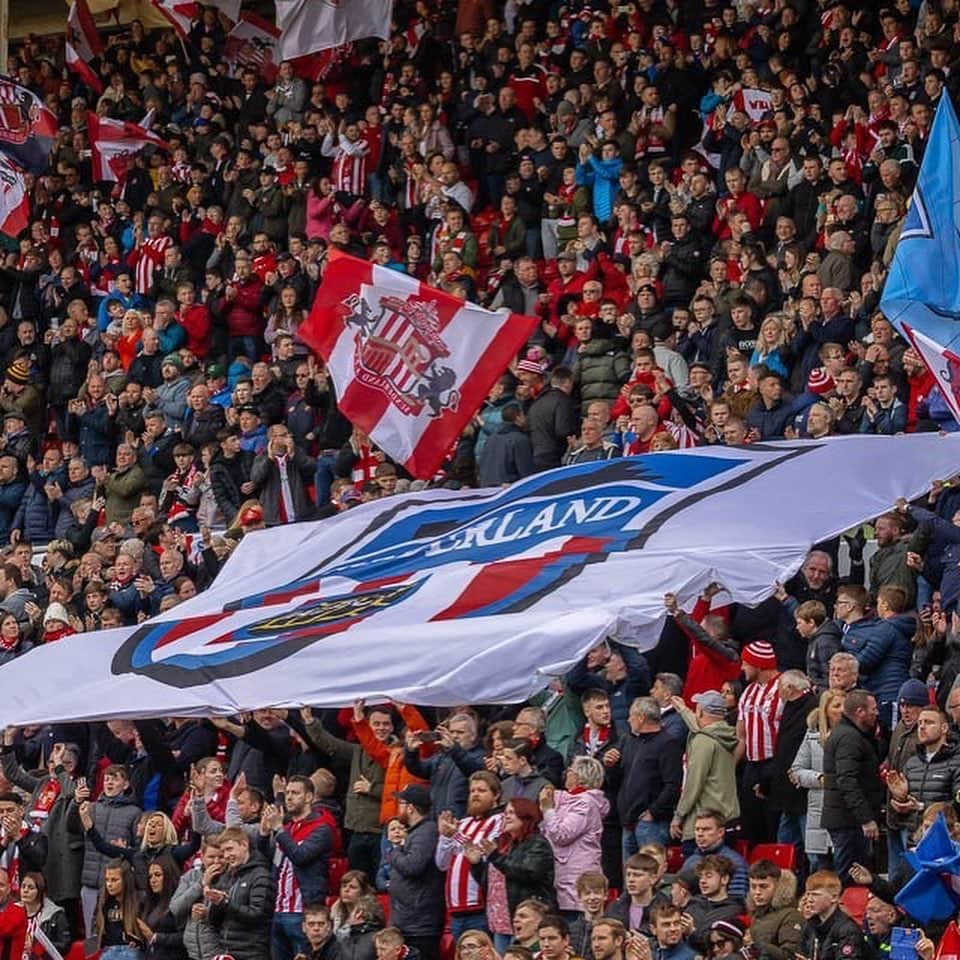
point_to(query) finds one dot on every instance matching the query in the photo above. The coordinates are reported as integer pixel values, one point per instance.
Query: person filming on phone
(449, 769)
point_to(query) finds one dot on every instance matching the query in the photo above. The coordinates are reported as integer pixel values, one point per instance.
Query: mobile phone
(429, 736)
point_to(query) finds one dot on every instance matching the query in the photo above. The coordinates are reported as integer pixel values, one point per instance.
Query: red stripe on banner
(496, 581)
(380, 582)
(441, 432)
(190, 625)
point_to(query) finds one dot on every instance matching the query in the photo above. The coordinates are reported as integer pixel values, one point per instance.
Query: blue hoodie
(604, 177)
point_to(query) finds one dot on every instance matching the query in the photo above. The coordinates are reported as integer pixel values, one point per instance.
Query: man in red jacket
(13, 922)
(241, 310)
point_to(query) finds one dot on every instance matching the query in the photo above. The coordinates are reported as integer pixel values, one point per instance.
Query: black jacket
(649, 775)
(528, 869)
(548, 762)
(244, 918)
(226, 477)
(838, 939)
(783, 794)
(853, 792)
(416, 885)
(551, 421)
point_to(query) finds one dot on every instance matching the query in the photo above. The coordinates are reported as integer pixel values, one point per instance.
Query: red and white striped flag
(114, 142)
(14, 201)
(253, 43)
(754, 103)
(310, 25)
(83, 44)
(411, 364)
(180, 13)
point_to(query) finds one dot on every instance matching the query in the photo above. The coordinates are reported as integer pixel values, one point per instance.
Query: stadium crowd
(704, 272)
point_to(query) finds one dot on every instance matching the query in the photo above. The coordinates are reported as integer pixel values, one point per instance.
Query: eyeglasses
(472, 948)
(716, 943)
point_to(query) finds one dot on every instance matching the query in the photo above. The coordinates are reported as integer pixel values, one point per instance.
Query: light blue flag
(922, 291)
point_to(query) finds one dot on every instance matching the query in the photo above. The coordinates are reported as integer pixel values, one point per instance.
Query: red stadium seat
(784, 855)
(674, 858)
(384, 899)
(76, 952)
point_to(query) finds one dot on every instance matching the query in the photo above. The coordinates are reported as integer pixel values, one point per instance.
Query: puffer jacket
(200, 938)
(69, 360)
(776, 929)
(389, 755)
(573, 829)
(416, 884)
(244, 918)
(115, 818)
(600, 370)
(529, 870)
(36, 516)
(807, 767)
(883, 650)
(853, 791)
(358, 943)
(935, 780)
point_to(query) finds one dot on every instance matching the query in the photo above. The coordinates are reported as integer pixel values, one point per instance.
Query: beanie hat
(914, 693)
(759, 654)
(530, 366)
(56, 611)
(174, 360)
(731, 928)
(820, 381)
(19, 371)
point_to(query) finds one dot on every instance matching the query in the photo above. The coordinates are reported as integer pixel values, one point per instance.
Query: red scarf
(594, 742)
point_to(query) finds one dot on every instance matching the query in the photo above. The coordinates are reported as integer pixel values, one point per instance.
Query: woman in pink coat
(573, 823)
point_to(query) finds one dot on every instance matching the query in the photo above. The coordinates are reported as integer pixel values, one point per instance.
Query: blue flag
(931, 893)
(921, 296)
(923, 286)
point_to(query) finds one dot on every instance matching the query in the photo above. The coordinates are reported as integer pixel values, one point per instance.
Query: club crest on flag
(17, 117)
(398, 351)
(479, 556)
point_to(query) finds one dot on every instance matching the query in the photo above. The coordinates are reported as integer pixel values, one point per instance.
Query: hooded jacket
(710, 782)
(417, 900)
(776, 929)
(244, 918)
(883, 650)
(573, 828)
(115, 818)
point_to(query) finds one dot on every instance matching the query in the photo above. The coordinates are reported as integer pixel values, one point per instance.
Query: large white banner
(476, 596)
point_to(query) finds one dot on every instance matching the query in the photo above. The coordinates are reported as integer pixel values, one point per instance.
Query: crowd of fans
(703, 274)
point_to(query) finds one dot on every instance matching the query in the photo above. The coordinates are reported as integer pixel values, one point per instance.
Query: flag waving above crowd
(83, 44)
(114, 142)
(27, 127)
(411, 364)
(922, 292)
(14, 202)
(310, 25)
(426, 597)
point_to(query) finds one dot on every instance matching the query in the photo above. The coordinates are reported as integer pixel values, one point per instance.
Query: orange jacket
(390, 757)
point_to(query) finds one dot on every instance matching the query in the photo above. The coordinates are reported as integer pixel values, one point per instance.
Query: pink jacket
(573, 828)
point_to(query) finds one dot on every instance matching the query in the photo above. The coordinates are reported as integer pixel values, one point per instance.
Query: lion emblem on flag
(399, 351)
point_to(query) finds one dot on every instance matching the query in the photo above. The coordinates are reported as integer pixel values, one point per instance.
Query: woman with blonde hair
(772, 349)
(806, 772)
(475, 945)
(131, 332)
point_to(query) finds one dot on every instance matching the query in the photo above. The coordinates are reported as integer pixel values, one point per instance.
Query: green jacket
(362, 813)
(123, 493)
(600, 370)
(888, 568)
(711, 780)
(776, 929)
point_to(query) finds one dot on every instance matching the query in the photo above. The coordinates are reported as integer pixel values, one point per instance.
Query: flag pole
(4, 32)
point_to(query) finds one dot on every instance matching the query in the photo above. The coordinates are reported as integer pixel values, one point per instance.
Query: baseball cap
(214, 370)
(415, 794)
(711, 702)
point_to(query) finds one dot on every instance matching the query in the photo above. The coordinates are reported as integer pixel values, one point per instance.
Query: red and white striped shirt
(463, 892)
(759, 711)
(349, 172)
(289, 898)
(148, 259)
